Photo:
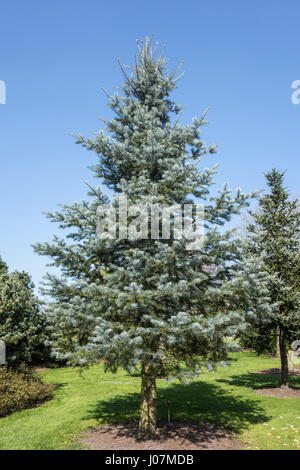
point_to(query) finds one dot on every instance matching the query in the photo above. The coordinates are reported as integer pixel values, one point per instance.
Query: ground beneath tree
(279, 392)
(176, 436)
(294, 372)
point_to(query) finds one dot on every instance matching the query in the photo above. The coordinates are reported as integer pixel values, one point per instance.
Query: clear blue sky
(240, 59)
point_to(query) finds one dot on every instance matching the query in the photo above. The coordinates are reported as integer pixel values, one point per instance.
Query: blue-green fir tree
(152, 305)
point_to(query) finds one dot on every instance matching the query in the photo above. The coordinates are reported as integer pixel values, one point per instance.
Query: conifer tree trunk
(284, 359)
(148, 407)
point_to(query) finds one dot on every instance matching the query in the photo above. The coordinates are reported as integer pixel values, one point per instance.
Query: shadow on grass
(259, 381)
(59, 385)
(198, 402)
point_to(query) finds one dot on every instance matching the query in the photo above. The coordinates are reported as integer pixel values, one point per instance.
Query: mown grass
(226, 397)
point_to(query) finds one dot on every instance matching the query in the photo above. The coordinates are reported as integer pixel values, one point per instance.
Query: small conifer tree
(23, 325)
(275, 235)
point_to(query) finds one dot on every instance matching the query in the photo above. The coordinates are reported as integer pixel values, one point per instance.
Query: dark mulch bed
(176, 436)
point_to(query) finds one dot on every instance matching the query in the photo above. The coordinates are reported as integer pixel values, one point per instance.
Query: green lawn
(226, 397)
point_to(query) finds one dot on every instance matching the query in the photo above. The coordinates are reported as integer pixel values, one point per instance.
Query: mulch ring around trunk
(174, 436)
(294, 372)
(279, 392)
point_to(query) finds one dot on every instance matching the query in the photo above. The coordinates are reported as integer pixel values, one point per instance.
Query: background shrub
(260, 338)
(21, 388)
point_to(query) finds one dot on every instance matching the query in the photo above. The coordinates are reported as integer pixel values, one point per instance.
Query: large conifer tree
(151, 305)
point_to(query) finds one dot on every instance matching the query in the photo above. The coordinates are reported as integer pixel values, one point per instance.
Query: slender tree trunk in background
(148, 408)
(284, 359)
(277, 342)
